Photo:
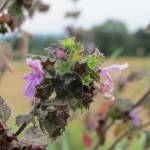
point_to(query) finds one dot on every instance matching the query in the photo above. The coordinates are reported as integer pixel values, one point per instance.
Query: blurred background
(120, 29)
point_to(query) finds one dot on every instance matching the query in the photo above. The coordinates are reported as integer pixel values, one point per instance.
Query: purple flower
(106, 87)
(60, 53)
(34, 78)
(105, 72)
(134, 114)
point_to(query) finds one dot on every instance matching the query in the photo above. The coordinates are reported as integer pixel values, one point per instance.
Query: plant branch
(126, 133)
(106, 129)
(142, 99)
(20, 129)
(2, 7)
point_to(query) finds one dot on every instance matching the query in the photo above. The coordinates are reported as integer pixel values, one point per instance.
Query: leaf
(92, 62)
(20, 119)
(64, 67)
(33, 135)
(5, 110)
(68, 43)
(87, 80)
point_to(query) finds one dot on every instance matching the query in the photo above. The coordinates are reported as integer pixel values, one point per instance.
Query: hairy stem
(20, 129)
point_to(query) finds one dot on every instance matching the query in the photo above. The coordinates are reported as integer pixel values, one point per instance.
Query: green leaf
(68, 43)
(87, 80)
(64, 67)
(76, 56)
(92, 62)
(5, 110)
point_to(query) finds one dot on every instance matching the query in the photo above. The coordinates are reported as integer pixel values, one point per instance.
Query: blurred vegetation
(114, 34)
(108, 37)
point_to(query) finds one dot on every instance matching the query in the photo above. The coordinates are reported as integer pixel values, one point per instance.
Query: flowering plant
(62, 81)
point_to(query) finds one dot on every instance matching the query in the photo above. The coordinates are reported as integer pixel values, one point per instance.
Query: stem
(142, 99)
(96, 146)
(126, 133)
(106, 129)
(2, 7)
(20, 129)
(24, 125)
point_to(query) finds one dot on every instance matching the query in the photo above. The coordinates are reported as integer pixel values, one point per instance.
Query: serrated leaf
(87, 80)
(92, 62)
(20, 119)
(64, 67)
(68, 43)
(5, 110)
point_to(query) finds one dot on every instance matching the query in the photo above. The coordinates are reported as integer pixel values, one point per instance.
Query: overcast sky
(135, 13)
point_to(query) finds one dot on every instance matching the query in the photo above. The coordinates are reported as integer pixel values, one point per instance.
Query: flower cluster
(67, 79)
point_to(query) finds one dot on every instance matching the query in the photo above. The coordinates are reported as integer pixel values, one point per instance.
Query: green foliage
(87, 80)
(68, 43)
(64, 67)
(114, 34)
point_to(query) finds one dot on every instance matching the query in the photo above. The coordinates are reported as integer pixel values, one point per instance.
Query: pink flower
(34, 78)
(105, 87)
(60, 53)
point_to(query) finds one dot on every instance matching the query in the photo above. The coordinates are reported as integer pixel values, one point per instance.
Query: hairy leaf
(5, 110)
(20, 119)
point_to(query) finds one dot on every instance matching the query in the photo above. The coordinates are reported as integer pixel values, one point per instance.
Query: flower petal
(115, 68)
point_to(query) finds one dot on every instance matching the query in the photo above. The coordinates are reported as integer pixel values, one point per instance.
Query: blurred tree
(111, 36)
(143, 41)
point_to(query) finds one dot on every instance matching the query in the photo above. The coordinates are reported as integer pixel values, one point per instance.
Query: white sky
(135, 13)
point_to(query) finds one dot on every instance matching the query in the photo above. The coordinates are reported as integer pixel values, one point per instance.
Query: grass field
(11, 88)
